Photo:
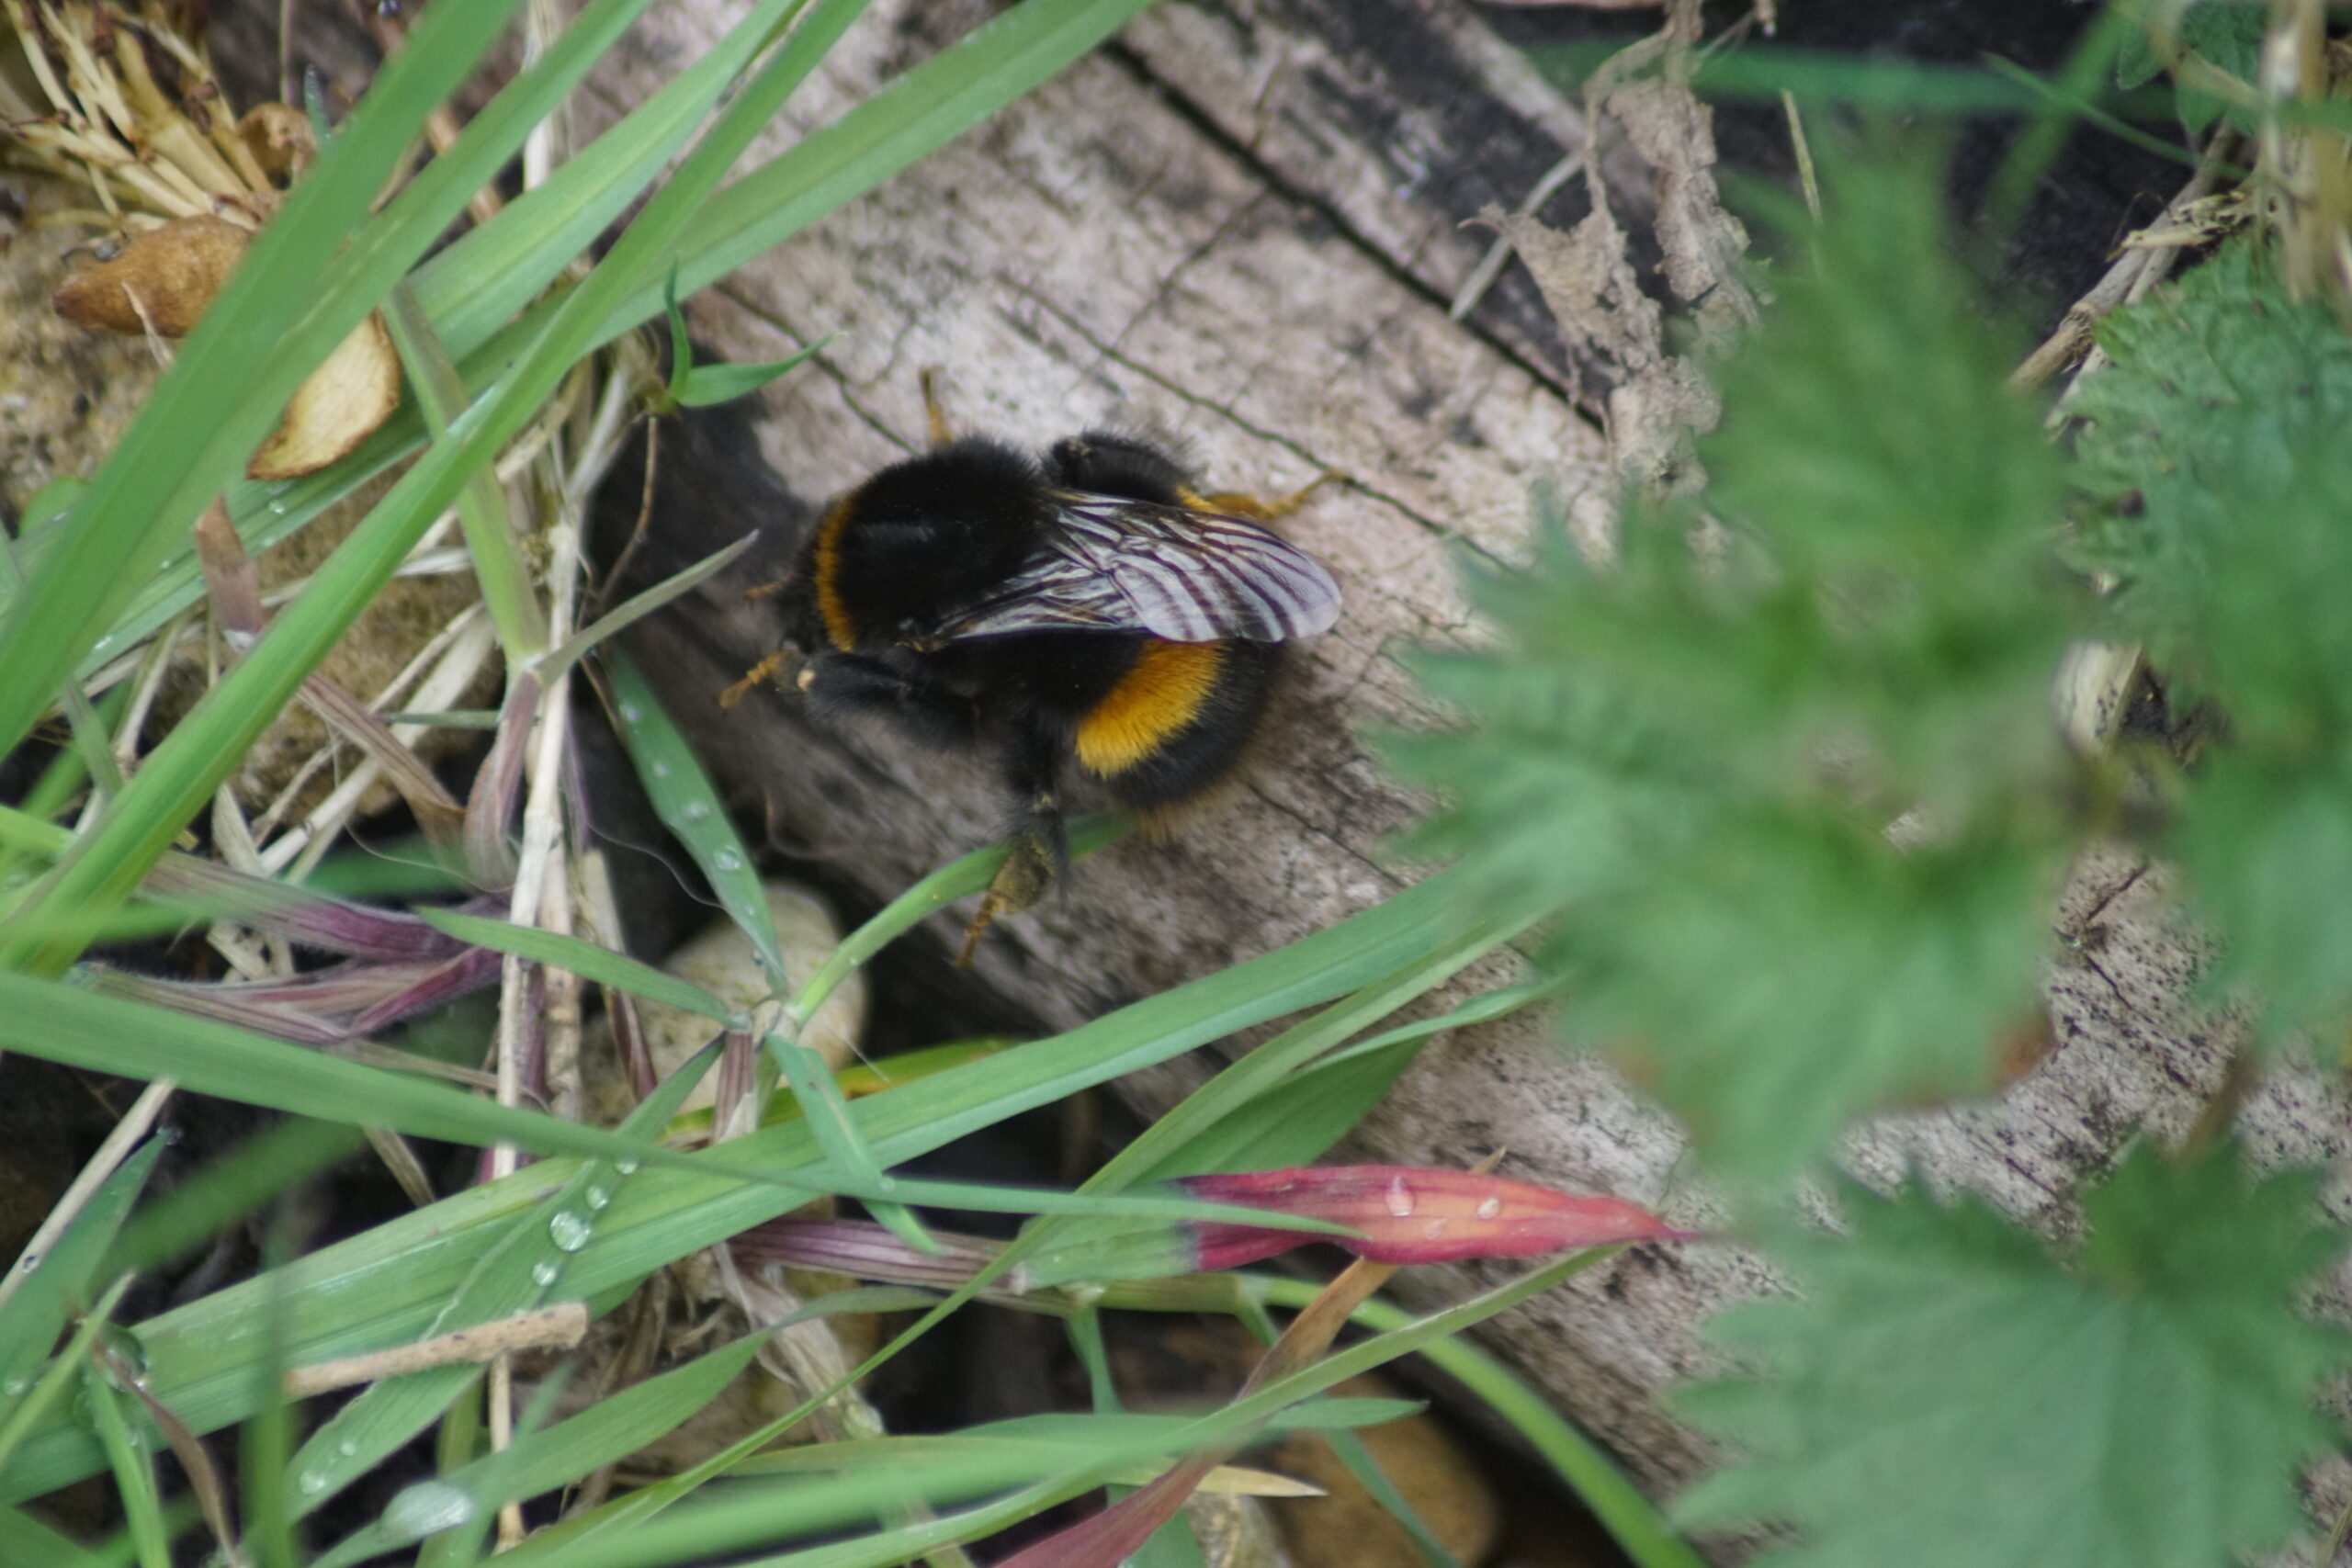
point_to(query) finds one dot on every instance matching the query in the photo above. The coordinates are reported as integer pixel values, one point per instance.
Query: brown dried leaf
(160, 282)
(350, 394)
(281, 140)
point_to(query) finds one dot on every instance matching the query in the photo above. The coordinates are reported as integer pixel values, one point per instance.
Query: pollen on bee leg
(1024, 877)
(753, 677)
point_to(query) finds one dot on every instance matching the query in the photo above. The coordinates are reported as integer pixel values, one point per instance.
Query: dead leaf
(160, 282)
(350, 394)
(281, 139)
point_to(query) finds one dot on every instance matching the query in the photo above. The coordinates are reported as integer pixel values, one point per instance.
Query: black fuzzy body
(897, 553)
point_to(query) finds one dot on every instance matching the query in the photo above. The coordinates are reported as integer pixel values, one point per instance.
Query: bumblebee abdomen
(1162, 691)
(1177, 720)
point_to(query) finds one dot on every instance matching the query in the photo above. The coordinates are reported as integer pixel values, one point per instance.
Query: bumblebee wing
(1112, 564)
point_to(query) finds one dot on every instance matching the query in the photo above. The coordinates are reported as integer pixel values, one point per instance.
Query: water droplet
(26, 1262)
(428, 1507)
(347, 1448)
(631, 714)
(313, 1482)
(661, 770)
(626, 1167)
(1399, 1197)
(728, 860)
(1488, 1208)
(16, 1388)
(596, 1198)
(695, 810)
(545, 1273)
(1434, 1229)
(278, 509)
(568, 1229)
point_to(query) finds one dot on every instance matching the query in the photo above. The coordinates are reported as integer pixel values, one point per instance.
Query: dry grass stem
(558, 1328)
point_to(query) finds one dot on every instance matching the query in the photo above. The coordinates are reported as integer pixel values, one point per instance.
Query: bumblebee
(1086, 608)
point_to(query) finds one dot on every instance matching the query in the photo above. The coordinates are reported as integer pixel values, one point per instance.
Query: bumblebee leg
(934, 422)
(764, 589)
(1238, 503)
(1037, 847)
(1025, 876)
(754, 676)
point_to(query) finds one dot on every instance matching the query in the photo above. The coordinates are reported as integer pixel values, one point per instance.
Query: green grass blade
(827, 1110)
(384, 1286)
(523, 1268)
(688, 805)
(134, 1472)
(59, 1022)
(490, 541)
(487, 273)
(1298, 1117)
(45, 1291)
(587, 960)
(230, 1186)
(607, 1431)
(954, 880)
(28, 1406)
(1621, 1506)
(24, 1539)
(1185, 1140)
(637, 607)
(929, 107)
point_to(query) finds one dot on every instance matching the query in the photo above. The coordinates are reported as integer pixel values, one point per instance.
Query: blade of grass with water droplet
(609, 1430)
(383, 1287)
(689, 806)
(44, 1291)
(521, 1269)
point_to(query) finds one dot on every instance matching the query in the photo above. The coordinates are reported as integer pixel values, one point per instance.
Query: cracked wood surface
(1243, 233)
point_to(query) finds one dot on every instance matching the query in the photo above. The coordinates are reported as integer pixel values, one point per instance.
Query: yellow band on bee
(1158, 697)
(830, 608)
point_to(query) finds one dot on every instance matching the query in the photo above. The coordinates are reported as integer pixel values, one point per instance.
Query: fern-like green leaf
(1946, 1394)
(2216, 484)
(1697, 751)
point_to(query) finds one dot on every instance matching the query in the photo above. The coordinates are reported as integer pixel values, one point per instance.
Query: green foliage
(695, 385)
(2215, 484)
(1696, 754)
(2223, 34)
(1786, 774)
(1947, 1392)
